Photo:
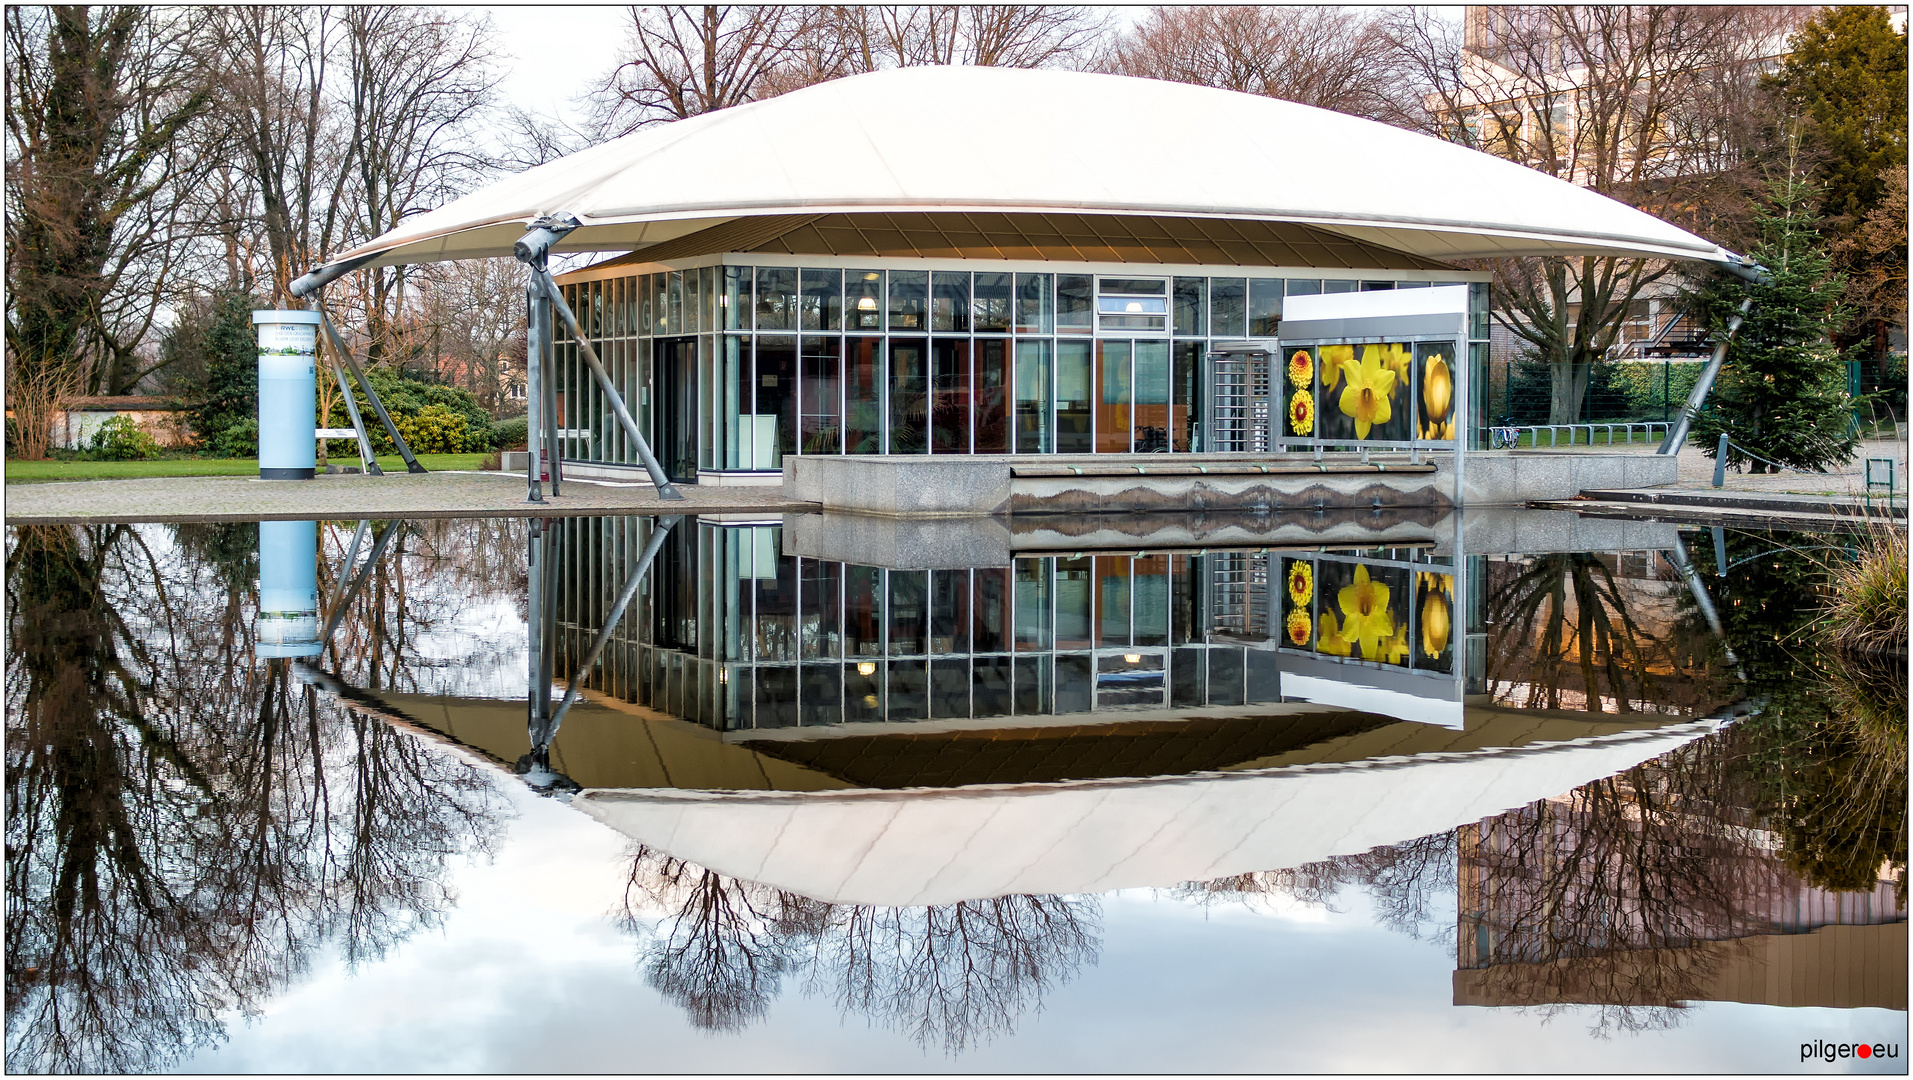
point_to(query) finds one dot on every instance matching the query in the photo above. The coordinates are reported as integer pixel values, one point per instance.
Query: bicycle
(1505, 436)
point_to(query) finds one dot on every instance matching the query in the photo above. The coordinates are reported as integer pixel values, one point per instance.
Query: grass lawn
(27, 471)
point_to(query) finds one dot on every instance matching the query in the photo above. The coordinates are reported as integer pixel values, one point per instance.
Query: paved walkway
(1697, 471)
(428, 495)
(476, 494)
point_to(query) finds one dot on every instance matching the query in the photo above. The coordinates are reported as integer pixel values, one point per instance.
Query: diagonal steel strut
(534, 249)
(371, 395)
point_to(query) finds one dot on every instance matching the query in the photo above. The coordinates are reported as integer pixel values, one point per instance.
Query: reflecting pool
(1495, 791)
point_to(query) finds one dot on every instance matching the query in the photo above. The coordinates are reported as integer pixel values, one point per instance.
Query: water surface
(1514, 792)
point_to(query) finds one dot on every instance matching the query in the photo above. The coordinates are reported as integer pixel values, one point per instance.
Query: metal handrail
(1647, 431)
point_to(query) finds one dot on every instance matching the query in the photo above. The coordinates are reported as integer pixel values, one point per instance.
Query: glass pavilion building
(932, 260)
(792, 348)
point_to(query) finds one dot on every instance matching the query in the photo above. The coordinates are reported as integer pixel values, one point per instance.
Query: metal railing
(1627, 428)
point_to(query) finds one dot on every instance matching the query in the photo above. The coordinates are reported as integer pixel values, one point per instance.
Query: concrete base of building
(954, 543)
(1522, 476)
(739, 479)
(619, 473)
(1337, 485)
(1388, 484)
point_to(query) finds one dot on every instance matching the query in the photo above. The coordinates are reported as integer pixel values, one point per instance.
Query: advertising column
(288, 394)
(288, 620)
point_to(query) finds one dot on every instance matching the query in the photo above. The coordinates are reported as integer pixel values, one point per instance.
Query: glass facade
(732, 632)
(729, 368)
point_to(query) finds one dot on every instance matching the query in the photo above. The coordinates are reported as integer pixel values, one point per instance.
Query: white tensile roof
(1003, 140)
(940, 846)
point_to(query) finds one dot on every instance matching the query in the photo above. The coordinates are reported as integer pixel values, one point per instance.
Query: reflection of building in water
(733, 633)
(1602, 897)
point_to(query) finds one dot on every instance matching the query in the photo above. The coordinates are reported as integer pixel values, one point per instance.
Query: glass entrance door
(674, 414)
(1134, 412)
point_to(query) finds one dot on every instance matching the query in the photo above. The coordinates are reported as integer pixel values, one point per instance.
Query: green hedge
(1619, 390)
(448, 419)
(509, 434)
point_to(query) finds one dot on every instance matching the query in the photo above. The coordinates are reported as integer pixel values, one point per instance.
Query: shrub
(405, 398)
(237, 439)
(1868, 608)
(510, 434)
(434, 429)
(120, 439)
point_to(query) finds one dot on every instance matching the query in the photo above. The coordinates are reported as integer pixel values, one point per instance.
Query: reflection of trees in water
(1409, 883)
(431, 575)
(1829, 760)
(1567, 631)
(723, 953)
(953, 975)
(1629, 894)
(1826, 750)
(186, 824)
(1602, 896)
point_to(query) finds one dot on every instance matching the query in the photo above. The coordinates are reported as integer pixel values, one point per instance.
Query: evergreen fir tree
(1782, 393)
(225, 407)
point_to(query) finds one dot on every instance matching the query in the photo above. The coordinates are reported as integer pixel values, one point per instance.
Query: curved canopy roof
(940, 846)
(983, 140)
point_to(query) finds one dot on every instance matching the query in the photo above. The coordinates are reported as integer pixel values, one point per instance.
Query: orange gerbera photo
(1301, 368)
(1299, 628)
(1302, 413)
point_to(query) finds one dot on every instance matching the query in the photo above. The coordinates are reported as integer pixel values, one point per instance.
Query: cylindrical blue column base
(288, 394)
(288, 620)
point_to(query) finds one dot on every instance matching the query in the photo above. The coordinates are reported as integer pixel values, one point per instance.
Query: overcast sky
(556, 53)
(529, 973)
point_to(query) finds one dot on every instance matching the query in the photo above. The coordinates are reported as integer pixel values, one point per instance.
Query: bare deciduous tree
(281, 133)
(1321, 56)
(347, 123)
(97, 102)
(1654, 106)
(686, 61)
(421, 82)
(462, 321)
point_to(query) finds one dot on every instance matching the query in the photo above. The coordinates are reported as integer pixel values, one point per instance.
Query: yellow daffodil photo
(1329, 639)
(1301, 583)
(1366, 619)
(1302, 413)
(1371, 386)
(1301, 368)
(1395, 649)
(1443, 583)
(1437, 398)
(1436, 623)
(1333, 358)
(1395, 357)
(1299, 629)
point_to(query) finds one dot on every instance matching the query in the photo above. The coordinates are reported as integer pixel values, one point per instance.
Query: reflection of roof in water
(1034, 755)
(1318, 782)
(606, 743)
(943, 845)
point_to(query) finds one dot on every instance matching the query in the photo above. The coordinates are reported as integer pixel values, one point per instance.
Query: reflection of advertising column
(288, 394)
(288, 621)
